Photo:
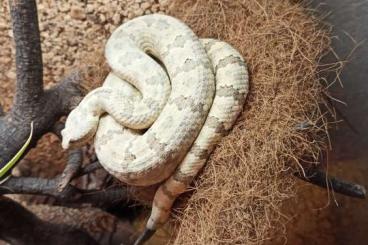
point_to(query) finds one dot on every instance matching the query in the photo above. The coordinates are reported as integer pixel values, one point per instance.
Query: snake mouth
(65, 139)
(70, 141)
(65, 142)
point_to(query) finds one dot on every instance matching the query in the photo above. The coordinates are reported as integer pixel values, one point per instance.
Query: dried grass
(237, 199)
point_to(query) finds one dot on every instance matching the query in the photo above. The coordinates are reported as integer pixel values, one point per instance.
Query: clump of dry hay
(238, 196)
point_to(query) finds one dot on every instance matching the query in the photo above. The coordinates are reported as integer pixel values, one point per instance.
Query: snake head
(75, 139)
(80, 127)
(69, 139)
(66, 141)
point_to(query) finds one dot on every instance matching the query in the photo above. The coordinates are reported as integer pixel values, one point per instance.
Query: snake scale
(169, 99)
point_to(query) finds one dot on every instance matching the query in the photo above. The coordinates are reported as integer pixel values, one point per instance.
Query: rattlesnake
(160, 112)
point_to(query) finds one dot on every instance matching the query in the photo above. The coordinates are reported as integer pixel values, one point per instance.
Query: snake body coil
(160, 112)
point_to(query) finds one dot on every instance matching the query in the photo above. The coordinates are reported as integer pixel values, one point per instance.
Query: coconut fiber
(237, 198)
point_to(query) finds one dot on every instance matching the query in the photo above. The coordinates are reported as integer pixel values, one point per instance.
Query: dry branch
(69, 196)
(19, 226)
(72, 168)
(322, 179)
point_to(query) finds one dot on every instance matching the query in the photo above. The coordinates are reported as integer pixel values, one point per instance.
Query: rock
(145, 5)
(155, 8)
(3, 26)
(138, 12)
(42, 26)
(5, 60)
(11, 75)
(10, 33)
(64, 8)
(116, 19)
(130, 16)
(90, 8)
(163, 3)
(72, 42)
(102, 18)
(77, 13)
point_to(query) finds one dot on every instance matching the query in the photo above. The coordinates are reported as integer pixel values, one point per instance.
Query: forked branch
(34, 231)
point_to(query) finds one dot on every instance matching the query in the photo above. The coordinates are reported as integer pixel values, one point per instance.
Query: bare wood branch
(59, 101)
(20, 227)
(320, 178)
(56, 129)
(70, 195)
(75, 159)
(90, 168)
(68, 92)
(29, 68)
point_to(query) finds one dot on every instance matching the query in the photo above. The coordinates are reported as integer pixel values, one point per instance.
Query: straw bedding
(237, 198)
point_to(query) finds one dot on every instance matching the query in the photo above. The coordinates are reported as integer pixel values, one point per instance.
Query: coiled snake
(160, 113)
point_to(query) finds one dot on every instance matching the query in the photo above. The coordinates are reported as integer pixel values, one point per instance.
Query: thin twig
(75, 159)
(320, 178)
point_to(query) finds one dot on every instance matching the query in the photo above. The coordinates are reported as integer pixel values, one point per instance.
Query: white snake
(158, 117)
